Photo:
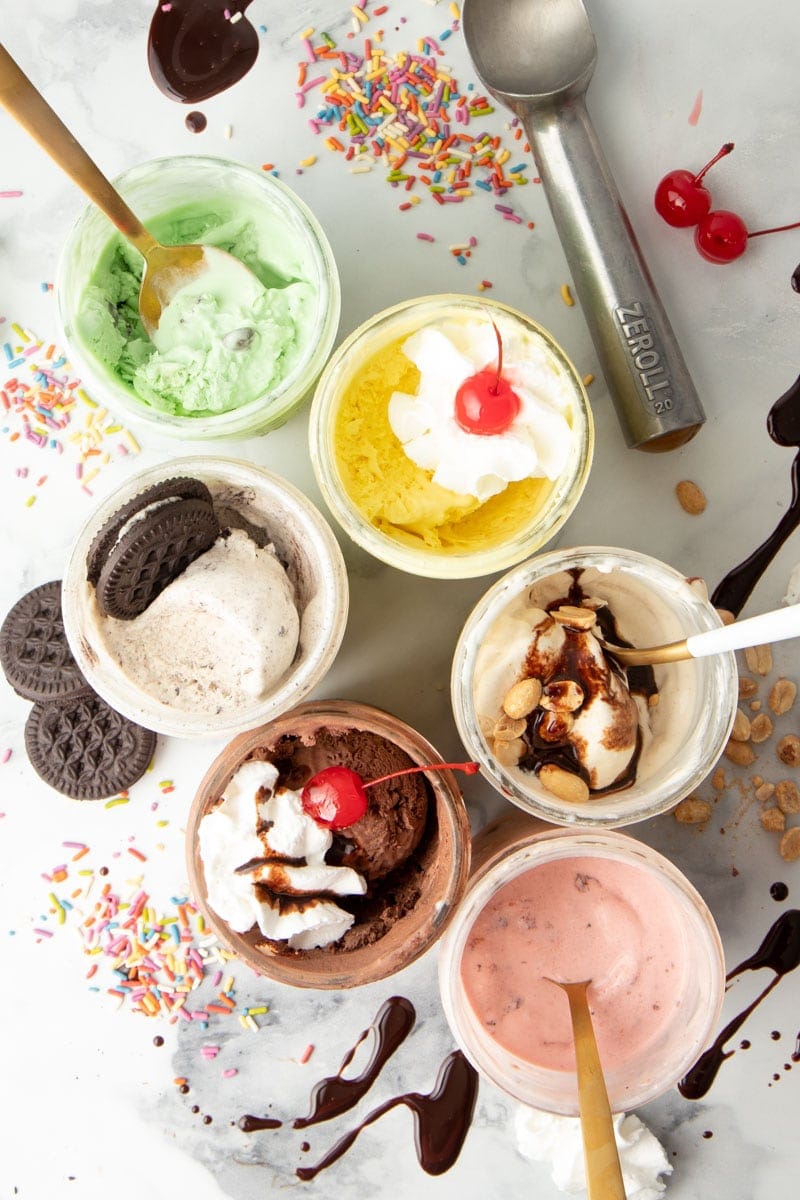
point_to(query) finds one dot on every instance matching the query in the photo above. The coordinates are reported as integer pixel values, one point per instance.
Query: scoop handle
(773, 626)
(28, 107)
(656, 401)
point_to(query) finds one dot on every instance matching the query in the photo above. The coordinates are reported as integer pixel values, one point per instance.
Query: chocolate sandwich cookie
(34, 653)
(86, 749)
(180, 488)
(151, 553)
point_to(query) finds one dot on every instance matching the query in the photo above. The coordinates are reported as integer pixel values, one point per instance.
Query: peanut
(508, 753)
(782, 696)
(759, 659)
(741, 727)
(760, 728)
(787, 796)
(522, 698)
(563, 784)
(740, 753)
(692, 811)
(788, 750)
(765, 792)
(790, 844)
(506, 729)
(747, 687)
(572, 615)
(773, 820)
(565, 695)
(691, 497)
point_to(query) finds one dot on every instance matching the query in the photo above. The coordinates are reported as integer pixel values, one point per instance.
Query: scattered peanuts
(563, 784)
(760, 729)
(747, 687)
(691, 497)
(740, 753)
(692, 811)
(759, 659)
(788, 750)
(782, 696)
(522, 698)
(741, 727)
(787, 796)
(773, 820)
(718, 780)
(790, 844)
(765, 792)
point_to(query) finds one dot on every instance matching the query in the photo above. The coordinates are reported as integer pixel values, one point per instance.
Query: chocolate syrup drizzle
(441, 1119)
(783, 426)
(334, 1095)
(194, 51)
(641, 680)
(779, 952)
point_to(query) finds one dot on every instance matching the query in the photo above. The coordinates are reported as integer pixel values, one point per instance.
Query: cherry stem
(494, 390)
(775, 229)
(726, 149)
(469, 768)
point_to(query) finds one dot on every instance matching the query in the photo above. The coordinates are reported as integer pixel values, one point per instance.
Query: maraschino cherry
(337, 797)
(681, 198)
(485, 402)
(721, 236)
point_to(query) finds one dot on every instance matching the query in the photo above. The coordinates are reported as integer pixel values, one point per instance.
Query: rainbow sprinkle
(43, 403)
(408, 114)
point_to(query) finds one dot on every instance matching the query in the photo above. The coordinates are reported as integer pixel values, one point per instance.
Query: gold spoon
(600, 1154)
(167, 269)
(773, 626)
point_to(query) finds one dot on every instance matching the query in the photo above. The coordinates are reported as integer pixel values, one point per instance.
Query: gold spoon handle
(603, 1173)
(28, 107)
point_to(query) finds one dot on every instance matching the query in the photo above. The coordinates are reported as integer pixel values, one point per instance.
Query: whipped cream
(264, 863)
(537, 444)
(557, 1142)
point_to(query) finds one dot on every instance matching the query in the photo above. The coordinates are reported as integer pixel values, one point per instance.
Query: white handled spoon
(774, 626)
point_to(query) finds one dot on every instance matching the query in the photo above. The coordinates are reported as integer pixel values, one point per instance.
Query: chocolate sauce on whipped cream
(195, 51)
(441, 1119)
(783, 426)
(779, 952)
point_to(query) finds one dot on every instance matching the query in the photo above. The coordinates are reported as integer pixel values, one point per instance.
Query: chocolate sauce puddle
(783, 426)
(779, 952)
(441, 1119)
(195, 51)
(335, 1095)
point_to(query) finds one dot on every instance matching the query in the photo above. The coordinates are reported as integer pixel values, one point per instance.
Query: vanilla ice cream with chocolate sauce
(581, 713)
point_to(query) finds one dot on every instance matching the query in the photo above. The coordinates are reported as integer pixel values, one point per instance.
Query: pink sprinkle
(306, 1055)
(6, 755)
(9, 195)
(229, 1073)
(166, 8)
(312, 56)
(47, 933)
(694, 115)
(426, 237)
(209, 1051)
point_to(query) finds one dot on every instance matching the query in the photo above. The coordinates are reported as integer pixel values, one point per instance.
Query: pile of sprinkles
(44, 405)
(154, 958)
(407, 114)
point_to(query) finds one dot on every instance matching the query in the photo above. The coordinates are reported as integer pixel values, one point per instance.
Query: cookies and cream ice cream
(265, 863)
(219, 637)
(455, 427)
(225, 339)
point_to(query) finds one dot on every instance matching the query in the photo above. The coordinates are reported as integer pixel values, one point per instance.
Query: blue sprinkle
(460, 258)
(519, 167)
(444, 36)
(481, 183)
(9, 351)
(17, 362)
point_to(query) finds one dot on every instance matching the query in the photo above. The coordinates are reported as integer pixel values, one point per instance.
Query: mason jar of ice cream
(226, 361)
(330, 847)
(569, 906)
(559, 727)
(204, 597)
(451, 436)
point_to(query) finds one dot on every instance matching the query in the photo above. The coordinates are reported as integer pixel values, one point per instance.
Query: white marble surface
(89, 1108)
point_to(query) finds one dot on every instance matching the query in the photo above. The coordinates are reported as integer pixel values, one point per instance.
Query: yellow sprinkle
(307, 33)
(86, 399)
(228, 984)
(455, 12)
(161, 824)
(31, 500)
(59, 907)
(113, 428)
(20, 332)
(566, 295)
(251, 1024)
(502, 157)
(201, 925)
(359, 14)
(117, 800)
(308, 162)
(89, 476)
(257, 1012)
(86, 871)
(134, 445)
(587, 379)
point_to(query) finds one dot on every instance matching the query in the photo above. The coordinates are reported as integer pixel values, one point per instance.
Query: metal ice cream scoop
(537, 57)
(167, 269)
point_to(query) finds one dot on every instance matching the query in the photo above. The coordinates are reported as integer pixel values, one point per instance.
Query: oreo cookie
(151, 553)
(85, 749)
(180, 488)
(34, 653)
